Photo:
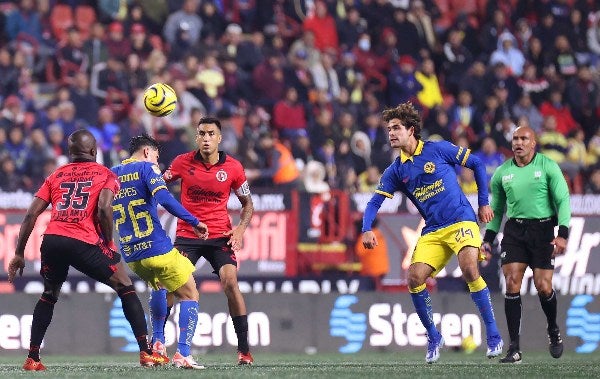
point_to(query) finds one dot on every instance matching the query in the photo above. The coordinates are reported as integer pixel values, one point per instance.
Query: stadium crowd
(300, 81)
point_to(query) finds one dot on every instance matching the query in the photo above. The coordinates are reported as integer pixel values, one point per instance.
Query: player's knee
(415, 280)
(544, 287)
(229, 283)
(51, 290)
(187, 292)
(50, 296)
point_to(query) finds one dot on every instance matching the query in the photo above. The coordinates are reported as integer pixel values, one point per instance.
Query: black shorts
(216, 251)
(59, 252)
(528, 241)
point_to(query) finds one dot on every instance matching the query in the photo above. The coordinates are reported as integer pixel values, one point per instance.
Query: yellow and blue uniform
(428, 178)
(144, 244)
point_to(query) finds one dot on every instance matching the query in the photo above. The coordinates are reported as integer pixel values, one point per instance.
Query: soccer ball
(160, 99)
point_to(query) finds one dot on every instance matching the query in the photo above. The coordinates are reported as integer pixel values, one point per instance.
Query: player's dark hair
(210, 120)
(408, 116)
(142, 141)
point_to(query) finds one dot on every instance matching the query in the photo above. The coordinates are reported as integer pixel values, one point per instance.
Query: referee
(532, 190)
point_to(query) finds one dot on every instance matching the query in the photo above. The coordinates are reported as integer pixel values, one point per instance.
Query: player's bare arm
(105, 215)
(18, 262)
(369, 240)
(237, 233)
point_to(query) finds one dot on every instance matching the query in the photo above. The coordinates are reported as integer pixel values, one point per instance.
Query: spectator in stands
(462, 117)
(457, 61)
(250, 52)
(508, 53)
(563, 57)
(582, 95)
(577, 36)
(10, 179)
(212, 20)
(410, 42)
(3, 148)
(536, 55)
(25, 23)
(437, 125)
(502, 133)
(298, 76)
(422, 20)
(430, 95)
(555, 107)
(185, 18)
(372, 66)
(554, 145)
(289, 116)
(593, 37)
(17, 147)
(593, 185)
(403, 85)
(9, 76)
(276, 165)
(492, 30)
(368, 180)
(38, 153)
(140, 44)
(11, 113)
(490, 156)
(350, 28)
(466, 179)
(533, 84)
(360, 145)
(71, 57)
(118, 46)
(313, 178)
(237, 87)
(525, 107)
(374, 262)
(86, 104)
(323, 26)
(268, 81)
(577, 151)
(95, 47)
(325, 77)
(546, 31)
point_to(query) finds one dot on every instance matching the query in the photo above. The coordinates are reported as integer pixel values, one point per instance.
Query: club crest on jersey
(537, 174)
(429, 168)
(221, 176)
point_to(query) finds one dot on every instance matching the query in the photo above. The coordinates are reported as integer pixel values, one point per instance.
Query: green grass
(365, 365)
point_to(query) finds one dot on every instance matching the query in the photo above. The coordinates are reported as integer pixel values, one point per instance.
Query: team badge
(156, 169)
(221, 176)
(429, 168)
(503, 255)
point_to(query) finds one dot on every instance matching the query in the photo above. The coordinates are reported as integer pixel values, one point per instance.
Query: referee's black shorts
(528, 241)
(216, 251)
(59, 252)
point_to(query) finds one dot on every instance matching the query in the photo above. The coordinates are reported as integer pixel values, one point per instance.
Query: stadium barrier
(345, 323)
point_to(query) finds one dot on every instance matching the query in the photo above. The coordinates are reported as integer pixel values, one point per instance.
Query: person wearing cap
(140, 44)
(402, 83)
(118, 46)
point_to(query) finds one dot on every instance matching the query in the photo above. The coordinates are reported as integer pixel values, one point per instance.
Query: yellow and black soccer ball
(160, 99)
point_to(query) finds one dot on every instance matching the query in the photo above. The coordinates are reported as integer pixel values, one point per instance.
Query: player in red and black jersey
(79, 234)
(207, 178)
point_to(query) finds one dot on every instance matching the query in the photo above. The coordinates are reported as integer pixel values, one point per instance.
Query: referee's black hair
(142, 141)
(210, 120)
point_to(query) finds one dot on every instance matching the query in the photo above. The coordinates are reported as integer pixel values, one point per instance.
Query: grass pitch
(366, 365)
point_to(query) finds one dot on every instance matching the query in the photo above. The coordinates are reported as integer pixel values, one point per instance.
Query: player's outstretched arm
(18, 262)
(174, 207)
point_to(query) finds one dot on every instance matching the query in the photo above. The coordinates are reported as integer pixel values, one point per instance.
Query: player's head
(407, 115)
(82, 146)
(208, 135)
(523, 143)
(145, 148)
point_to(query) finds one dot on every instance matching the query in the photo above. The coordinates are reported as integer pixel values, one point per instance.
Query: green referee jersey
(535, 191)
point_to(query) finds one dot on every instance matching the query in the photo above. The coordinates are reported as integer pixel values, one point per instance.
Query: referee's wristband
(563, 231)
(489, 236)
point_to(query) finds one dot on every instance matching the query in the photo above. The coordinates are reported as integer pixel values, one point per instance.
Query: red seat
(61, 19)
(85, 16)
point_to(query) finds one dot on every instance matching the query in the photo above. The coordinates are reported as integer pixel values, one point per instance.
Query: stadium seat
(85, 16)
(61, 19)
